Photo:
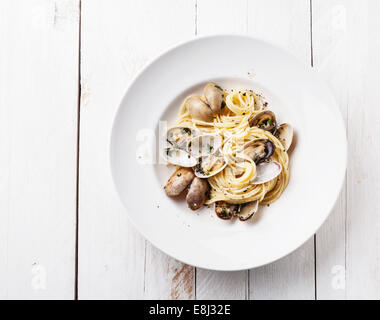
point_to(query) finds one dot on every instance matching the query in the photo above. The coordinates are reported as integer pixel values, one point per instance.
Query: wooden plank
(218, 285)
(350, 63)
(363, 191)
(213, 17)
(167, 278)
(285, 23)
(38, 133)
(289, 278)
(330, 41)
(117, 40)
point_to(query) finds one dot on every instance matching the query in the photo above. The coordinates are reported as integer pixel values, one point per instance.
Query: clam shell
(198, 109)
(259, 146)
(178, 137)
(214, 96)
(266, 171)
(265, 120)
(284, 133)
(180, 157)
(204, 145)
(224, 210)
(248, 210)
(199, 170)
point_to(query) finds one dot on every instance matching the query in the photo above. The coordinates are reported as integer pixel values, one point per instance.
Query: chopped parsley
(266, 122)
(216, 86)
(199, 169)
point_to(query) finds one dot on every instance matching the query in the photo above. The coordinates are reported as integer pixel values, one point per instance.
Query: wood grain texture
(330, 45)
(167, 278)
(38, 146)
(219, 285)
(348, 58)
(213, 17)
(363, 178)
(38, 133)
(117, 40)
(285, 23)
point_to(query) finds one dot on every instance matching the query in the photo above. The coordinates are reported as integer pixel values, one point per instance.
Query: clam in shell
(210, 165)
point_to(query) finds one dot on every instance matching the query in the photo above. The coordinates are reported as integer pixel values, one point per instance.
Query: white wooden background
(64, 66)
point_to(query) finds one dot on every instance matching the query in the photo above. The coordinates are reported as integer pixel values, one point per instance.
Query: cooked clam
(243, 211)
(197, 194)
(284, 133)
(210, 165)
(198, 109)
(180, 157)
(204, 145)
(225, 210)
(214, 96)
(247, 210)
(266, 171)
(178, 181)
(259, 149)
(178, 137)
(265, 120)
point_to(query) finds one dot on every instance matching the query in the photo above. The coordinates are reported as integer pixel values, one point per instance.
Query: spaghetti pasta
(235, 184)
(229, 185)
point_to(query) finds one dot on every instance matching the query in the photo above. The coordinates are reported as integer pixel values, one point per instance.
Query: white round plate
(294, 93)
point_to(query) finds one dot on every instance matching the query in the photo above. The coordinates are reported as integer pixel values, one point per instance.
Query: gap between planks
(312, 65)
(77, 159)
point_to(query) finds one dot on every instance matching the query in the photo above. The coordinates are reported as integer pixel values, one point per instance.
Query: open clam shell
(210, 165)
(266, 171)
(225, 210)
(259, 149)
(204, 145)
(265, 120)
(178, 137)
(284, 133)
(180, 157)
(247, 210)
